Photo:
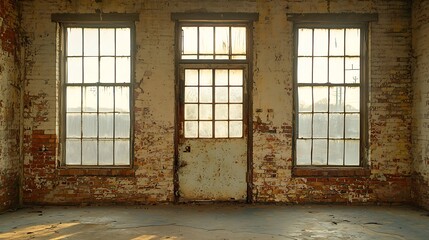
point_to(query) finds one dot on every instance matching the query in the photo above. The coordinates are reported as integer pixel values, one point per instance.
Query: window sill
(330, 172)
(108, 172)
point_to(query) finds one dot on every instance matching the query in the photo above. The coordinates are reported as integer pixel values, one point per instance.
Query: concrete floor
(216, 221)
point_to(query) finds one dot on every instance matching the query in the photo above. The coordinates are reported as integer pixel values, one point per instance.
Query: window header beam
(94, 17)
(332, 17)
(228, 16)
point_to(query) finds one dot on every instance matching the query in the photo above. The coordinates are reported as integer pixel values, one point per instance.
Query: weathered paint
(213, 169)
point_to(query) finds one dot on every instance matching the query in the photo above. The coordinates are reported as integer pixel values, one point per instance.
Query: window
(97, 93)
(330, 94)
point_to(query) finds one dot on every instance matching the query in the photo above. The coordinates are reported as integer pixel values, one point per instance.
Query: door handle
(187, 149)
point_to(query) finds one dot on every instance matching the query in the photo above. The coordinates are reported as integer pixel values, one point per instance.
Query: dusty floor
(218, 221)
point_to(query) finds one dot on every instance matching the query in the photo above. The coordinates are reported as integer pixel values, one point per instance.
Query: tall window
(329, 84)
(97, 91)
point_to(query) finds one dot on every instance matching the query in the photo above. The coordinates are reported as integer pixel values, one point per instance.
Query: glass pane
(105, 99)
(206, 77)
(206, 40)
(74, 97)
(320, 42)
(222, 40)
(123, 70)
(89, 125)
(236, 112)
(236, 94)
(336, 99)
(236, 77)
(74, 70)
(303, 152)
(305, 99)
(122, 152)
(90, 41)
(320, 99)
(105, 125)
(352, 153)
(122, 99)
(221, 129)
(205, 129)
(191, 94)
(221, 77)
(352, 70)
(122, 125)
(238, 40)
(304, 69)
(336, 151)
(90, 70)
(235, 129)
(74, 41)
(90, 99)
(191, 129)
(320, 125)
(320, 151)
(106, 152)
(336, 70)
(320, 70)
(189, 40)
(352, 126)
(336, 42)
(73, 125)
(336, 125)
(304, 123)
(206, 112)
(221, 94)
(73, 151)
(191, 112)
(123, 41)
(352, 42)
(107, 41)
(206, 94)
(107, 69)
(352, 99)
(305, 42)
(191, 77)
(221, 111)
(89, 152)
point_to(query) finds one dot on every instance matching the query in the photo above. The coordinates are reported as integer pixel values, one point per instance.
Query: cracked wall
(420, 190)
(9, 105)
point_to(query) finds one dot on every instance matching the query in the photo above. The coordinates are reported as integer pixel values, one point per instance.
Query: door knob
(187, 149)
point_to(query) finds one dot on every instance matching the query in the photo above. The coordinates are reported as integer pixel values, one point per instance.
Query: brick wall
(9, 105)
(420, 190)
(151, 180)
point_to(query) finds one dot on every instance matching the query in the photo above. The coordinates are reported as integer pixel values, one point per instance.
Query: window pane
(73, 125)
(89, 152)
(305, 42)
(336, 42)
(122, 125)
(320, 125)
(352, 126)
(352, 153)
(191, 112)
(206, 40)
(304, 70)
(336, 70)
(320, 99)
(90, 41)
(191, 77)
(191, 94)
(90, 70)
(107, 69)
(205, 112)
(352, 70)
(303, 152)
(191, 129)
(236, 77)
(105, 125)
(74, 70)
(336, 125)
(336, 151)
(236, 94)
(305, 126)
(221, 76)
(74, 41)
(236, 111)
(352, 99)
(336, 99)
(107, 41)
(89, 125)
(73, 152)
(122, 152)
(106, 99)
(122, 99)
(123, 70)
(221, 112)
(221, 129)
(352, 42)
(206, 94)
(235, 129)
(221, 94)
(205, 129)
(189, 40)
(106, 152)
(320, 70)
(90, 99)
(206, 77)
(320, 151)
(320, 42)
(222, 40)
(238, 39)
(123, 41)
(305, 99)
(74, 97)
